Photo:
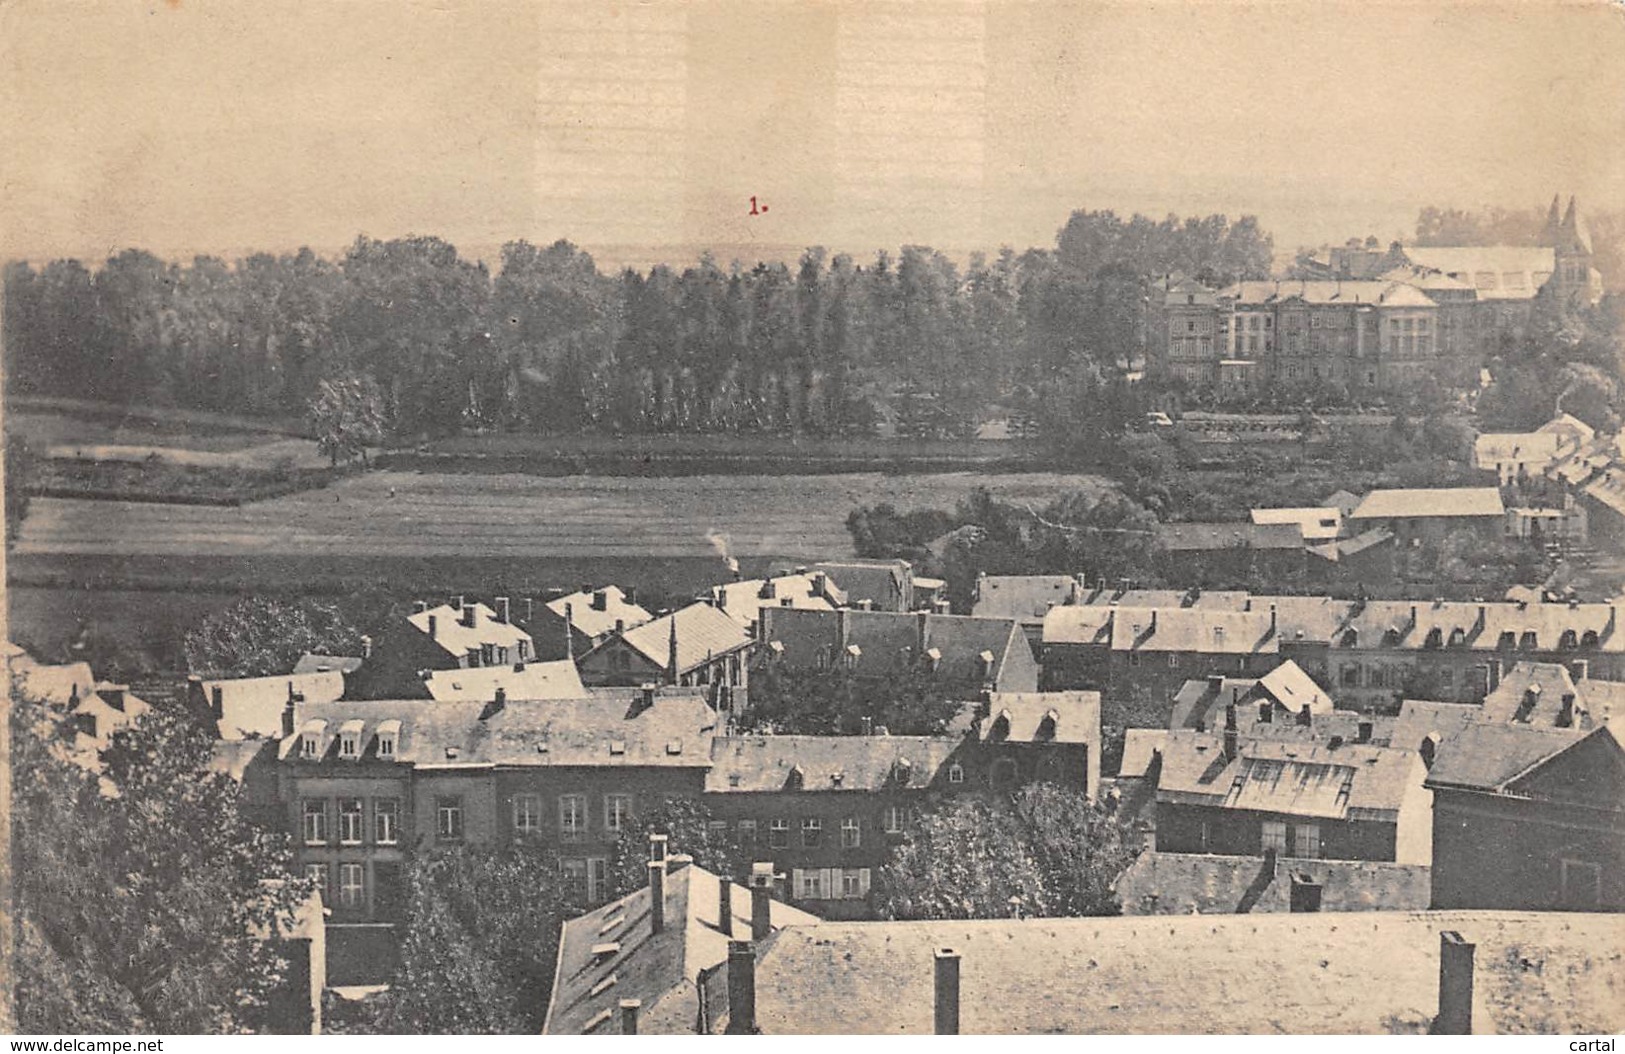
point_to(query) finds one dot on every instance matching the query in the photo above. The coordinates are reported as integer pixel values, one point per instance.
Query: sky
(641, 131)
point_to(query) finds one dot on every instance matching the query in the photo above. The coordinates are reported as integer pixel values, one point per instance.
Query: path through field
(384, 514)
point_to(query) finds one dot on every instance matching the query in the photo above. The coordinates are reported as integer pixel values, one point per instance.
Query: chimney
(434, 628)
(1362, 731)
(1153, 622)
(1273, 620)
(741, 988)
(287, 719)
(769, 590)
(725, 905)
(1305, 716)
(366, 646)
(1215, 683)
(657, 896)
(1232, 745)
(419, 606)
(457, 602)
(502, 609)
(657, 847)
(600, 600)
(629, 1016)
(494, 707)
(1455, 986)
(468, 615)
(1580, 670)
(1494, 671)
(1565, 716)
(646, 697)
(530, 610)
(1266, 712)
(946, 1002)
(217, 699)
(761, 900)
(631, 594)
(719, 597)
(922, 633)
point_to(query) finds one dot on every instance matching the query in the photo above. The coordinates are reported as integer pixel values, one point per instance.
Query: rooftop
(703, 633)
(1022, 596)
(1314, 524)
(252, 706)
(746, 764)
(1042, 717)
(1195, 630)
(1287, 776)
(1430, 502)
(459, 638)
(742, 601)
(1366, 973)
(1205, 884)
(596, 611)
(534, 680)
(1497, 272)
(1485, 756)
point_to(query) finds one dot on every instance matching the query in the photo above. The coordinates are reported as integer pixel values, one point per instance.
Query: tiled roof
(1480, 627)
(1430, 502)
(1531, 693)
(703, 633)
(1287, 776)
(610, 727)
(1420, 718)
(1326, 973)
(1195, 630)
(1470, 264)
(458, 639)
(660, 970)
(1022, 596)
(885, 640)
(1042, 717)
(1217, 537)
(880, 581)
(593, 621)
(1202, 883)
(1314, 524)
(742, 601)
(743, 764)
(1139, 744)
(535, 680)
(310, 662)
(1078, 625)
(252, 706)
(1487, 756)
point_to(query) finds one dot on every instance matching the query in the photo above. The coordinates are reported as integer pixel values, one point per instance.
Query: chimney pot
(1362, 732)
(1455, 986)
(287, 719)
(946, 1004)
(761, 900)
(434, 628)
(657, 847)
(741, 988)
(366, 646)
(629, 1016)
(503, 610)
(468, 615)
(725, 905)
(657, 896)
(1306, 717)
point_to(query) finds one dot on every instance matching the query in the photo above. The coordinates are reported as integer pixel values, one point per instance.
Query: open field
(411, 515)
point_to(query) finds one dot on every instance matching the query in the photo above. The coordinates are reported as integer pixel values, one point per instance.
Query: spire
(1548, 234)
(671, 662)
(1572, 238)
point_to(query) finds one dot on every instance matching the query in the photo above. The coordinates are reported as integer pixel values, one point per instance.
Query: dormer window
(1528, 642)
(956, 773)
(310, 740)
(350, 740)
(389, 733)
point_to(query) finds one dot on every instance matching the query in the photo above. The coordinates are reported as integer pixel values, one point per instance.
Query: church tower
(1572, 276)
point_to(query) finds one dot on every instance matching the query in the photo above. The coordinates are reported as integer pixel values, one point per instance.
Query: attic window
(1458, 637)
(617, 747)
(606, 949)
(350, 740)
(1218, 635)
(597, 1019)
(603, 986)
(310, 745)
(388, 733)
(1528, 642)
(453, 753)
(733, 779)
(674, 747)
(956, 773)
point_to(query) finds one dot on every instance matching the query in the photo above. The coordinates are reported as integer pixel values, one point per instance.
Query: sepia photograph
(812, 518)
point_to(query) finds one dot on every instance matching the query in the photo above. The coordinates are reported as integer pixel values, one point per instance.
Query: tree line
(550, 343)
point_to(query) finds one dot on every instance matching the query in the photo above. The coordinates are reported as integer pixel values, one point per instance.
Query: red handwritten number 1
(756, 210)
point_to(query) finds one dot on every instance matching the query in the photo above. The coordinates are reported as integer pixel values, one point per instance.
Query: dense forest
(910, 343)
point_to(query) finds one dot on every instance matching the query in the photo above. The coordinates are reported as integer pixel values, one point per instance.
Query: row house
(459, 635)
(965, 651)
(881, 585)
(363, 784)
(1155, 649)
(1428, 515)
(825, 810)
(571, 625)
(744, 600)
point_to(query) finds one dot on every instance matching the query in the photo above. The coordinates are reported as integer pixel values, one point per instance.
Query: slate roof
(1487, 757)
(1287, 776)
(311, 662)
(608, 728)
(252, 706)
(883, 582)
(458, 639)
(595, 623)
(1022, 596)
(1467, 263)
(1327, 973)
(1194, 630)
(534, 680)
(885, 640)
(743, 600)
(703, 633)
(1042, 717)
(1433, 502)
(1504, 625)
(1139, 744)
(1329, 293)
(660, 970)
(1420, 718)
(1200, 702)
(1314, 524)
(1202, 883)
(834, 764)
(1211, 537)
(1078, 625)
(1532, 693)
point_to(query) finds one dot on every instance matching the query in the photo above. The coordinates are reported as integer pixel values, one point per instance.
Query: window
(855, 883)
(352, 885)
(315, 825)
(1173, 660)
(316, 875)
(1306, 840)
(1274, 837)
(778, 834)
(350, 745)
(310, 746)
(386, 821)
(527, 813)
(894, 817)
(597, 879)
(574, 875)
(572, 817)
(956, 773)
(449, 819)
(812, 832)
(386, 744)
(747, 832)
(352, 820)
(617, 811)
(851, 834)
(810, 884)
(1134, 658)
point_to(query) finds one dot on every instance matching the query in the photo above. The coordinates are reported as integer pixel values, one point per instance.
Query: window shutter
(797, 884)
(830, 885)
